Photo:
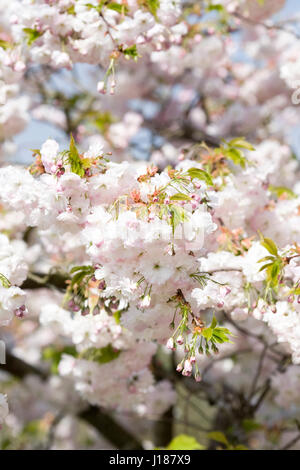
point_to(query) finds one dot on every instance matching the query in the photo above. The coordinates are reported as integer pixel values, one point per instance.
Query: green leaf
(270, 246)
(32, 35)
(240, 142)
(131, 52)
(100, 355)
(87, 269)
(122, 9)
(197, 173)
(267, 258)
(275, 270)
(224, 330)
(213, 322)
(217, 7)
(33, 429)
(220, 338)
(279, 191)
(236, 156)
(54, 355)
(81, 273)
(218, 436)
(266, 266)
(151, 5)
(178, 216)
(117, 316)
(74, 159)
(250, 425)
(96, 7)
(180, 197)
(71, 10)
(5, 44)
(184, 442)
(5, 282)
(207, 333)
(220, 335)
(102, 120)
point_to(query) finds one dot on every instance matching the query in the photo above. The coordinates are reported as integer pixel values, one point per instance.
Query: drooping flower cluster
(13, 269)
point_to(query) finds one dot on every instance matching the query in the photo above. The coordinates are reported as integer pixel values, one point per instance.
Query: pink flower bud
(188, 365)
(170, 344)
(145, 302)
(21, 311)
(180, 339)
(225, 290)
(71, 304)
(197, 377)
(19, 66)
(101, 88)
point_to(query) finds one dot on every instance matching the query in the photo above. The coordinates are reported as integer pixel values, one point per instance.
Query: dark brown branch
(110, 428)
(105, 424)
(265, 391)
(37, 281)
(20, 368)
(291, 443)
(258, 371)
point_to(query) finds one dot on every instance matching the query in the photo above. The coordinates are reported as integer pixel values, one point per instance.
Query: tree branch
(99, 419)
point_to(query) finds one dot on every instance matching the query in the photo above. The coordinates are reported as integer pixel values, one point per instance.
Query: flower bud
(180, 339)
(198, 377)
(145, 302)
(224, 290)
(170, 344)
(101, 88)
(188, 365)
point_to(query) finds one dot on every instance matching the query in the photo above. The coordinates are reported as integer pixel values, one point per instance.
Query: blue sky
(37, 132)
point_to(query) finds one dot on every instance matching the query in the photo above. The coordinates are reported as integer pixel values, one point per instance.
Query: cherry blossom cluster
(151, 253)
(52, 36)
